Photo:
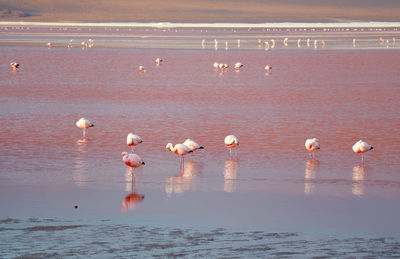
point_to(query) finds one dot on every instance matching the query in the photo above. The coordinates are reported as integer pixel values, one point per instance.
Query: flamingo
(132, 160)
(216, 65)
(312, 145)
(231, 141)
(141, 69)
(362, 147)
(158, 61)
(133, 140)
(192, 145)
(84, 124)
(238, 65)
(179, 149)
(268, 68)
(14, 65)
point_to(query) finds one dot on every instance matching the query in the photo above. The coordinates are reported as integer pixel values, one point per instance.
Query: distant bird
(179, 149)
(312, 145)
(268, 68)
(141, 69)
(48, 44)
(14, 65)
(362, 147)
(84, 124)
(223, 67)
(285, 42)
(238, 65)
(272, 43)
(158, 61)
(216, 65)
(231, 141)
(133, 140)
(192, 145)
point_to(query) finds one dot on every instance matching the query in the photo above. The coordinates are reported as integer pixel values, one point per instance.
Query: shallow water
(269, 198)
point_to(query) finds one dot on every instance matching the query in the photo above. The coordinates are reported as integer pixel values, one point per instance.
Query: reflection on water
(133, 199)
(358, 177)
(310, 173)
(183, 182)
(79, 175)
(230, 175)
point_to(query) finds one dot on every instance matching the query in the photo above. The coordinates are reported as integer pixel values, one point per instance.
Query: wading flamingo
(14, 65)
(312, 145)
(238, 65)
(133, 140)
(158, 61)
(268, 68)
(216, 66)
(231, 141)
(84, 124)
(179, 149)
(141, 69)
(362, 147)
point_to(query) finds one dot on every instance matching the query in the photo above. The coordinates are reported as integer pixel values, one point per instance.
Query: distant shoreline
(208, 25)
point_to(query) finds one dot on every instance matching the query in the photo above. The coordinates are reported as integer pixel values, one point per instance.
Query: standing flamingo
(362, 147)
(14, 65)
(84, 124)
(192, 145)
(216, 66)
(312, 145)
(179, 149)
(141, 69)
(268, 68)
(158, 61)
(238, 65)
(231, 141)
(133, 140)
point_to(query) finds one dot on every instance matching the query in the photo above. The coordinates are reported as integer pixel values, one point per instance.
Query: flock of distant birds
(189, 146)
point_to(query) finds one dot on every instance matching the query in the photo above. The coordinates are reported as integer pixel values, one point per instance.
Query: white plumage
(133, 140)
(192, 145)
(132, 160)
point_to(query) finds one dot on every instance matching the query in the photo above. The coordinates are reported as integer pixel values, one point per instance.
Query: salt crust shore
(212, 25)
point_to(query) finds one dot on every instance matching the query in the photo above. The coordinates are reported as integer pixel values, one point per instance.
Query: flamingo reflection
(79, 175)
(310, 173)
(183, 181)
(358, 177)
(132, 200)
(230, 175)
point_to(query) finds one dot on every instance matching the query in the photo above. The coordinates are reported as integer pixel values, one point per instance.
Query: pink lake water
(269, 199)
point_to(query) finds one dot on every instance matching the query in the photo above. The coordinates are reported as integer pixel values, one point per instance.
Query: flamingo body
(192, 145)
(362, 147)
(238, 65)
(179, 149)
(231, 141)
(133, 140)
(312, 144)
(83, 123)
(14, 65)
(132, 160)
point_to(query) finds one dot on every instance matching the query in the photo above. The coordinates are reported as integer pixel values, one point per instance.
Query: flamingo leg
(133, 151)
(182, 162)
(84, 133)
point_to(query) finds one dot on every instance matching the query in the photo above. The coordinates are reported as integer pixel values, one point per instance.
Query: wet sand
(269, 185)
